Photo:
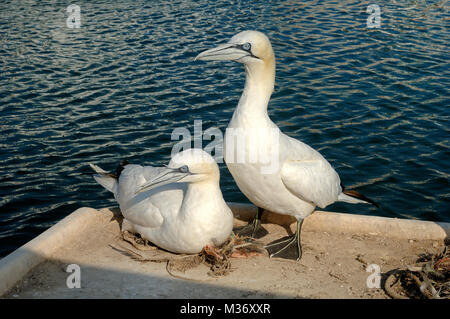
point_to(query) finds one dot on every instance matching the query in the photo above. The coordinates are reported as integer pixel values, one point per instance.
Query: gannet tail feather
(104, 178)
(98, 169)
(107, 182)
(354, 197)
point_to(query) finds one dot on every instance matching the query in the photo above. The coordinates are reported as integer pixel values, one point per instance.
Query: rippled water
(374, 102)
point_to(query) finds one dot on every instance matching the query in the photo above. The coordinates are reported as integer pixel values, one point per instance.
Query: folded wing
(146, 209)
(314, 181)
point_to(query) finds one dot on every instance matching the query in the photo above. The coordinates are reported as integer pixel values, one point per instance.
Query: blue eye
(184, 169)
(246, 46)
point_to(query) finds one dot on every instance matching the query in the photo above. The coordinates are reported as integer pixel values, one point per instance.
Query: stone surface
(333, 265)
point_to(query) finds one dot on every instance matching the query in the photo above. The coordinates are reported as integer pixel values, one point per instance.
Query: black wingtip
(357, 195)
(120, 168)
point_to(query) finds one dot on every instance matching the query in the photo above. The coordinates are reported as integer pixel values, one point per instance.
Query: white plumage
(302, 178)
(179, 207)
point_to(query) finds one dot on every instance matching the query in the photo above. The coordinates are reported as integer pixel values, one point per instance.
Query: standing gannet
(179, 208)
(285, 175)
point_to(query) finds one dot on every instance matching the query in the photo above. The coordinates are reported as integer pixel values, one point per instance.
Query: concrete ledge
(355, 224)
(16, 265)
(381, 226)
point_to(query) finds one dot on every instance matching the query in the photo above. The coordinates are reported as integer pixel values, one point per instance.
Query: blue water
(374, 102)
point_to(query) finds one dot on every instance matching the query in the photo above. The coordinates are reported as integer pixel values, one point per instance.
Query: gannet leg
(291, 240)
(257, 221)
(253, 226)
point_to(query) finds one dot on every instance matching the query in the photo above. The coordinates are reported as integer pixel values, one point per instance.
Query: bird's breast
(253, 157)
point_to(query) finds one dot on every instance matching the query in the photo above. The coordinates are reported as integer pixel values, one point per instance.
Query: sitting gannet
(179, 208)
(300, 178)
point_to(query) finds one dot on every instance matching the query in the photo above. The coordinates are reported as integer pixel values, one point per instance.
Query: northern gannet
(301, 178)
(179, 207)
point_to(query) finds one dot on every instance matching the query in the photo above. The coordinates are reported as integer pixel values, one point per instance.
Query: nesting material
(429, 278)
(217, 259)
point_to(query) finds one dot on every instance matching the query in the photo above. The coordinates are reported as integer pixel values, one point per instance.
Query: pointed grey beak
(223, 52)
(167, 176)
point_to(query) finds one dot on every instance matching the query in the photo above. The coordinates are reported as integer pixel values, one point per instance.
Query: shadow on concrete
(49, 280)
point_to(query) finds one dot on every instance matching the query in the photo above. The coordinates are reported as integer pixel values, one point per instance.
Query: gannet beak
(167, 176)
(224, 52)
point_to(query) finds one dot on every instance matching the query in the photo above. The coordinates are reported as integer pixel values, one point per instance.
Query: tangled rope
(217, 259)
(428, 279)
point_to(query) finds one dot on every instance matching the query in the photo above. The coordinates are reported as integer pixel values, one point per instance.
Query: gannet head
(247, 47)
(190, 166)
